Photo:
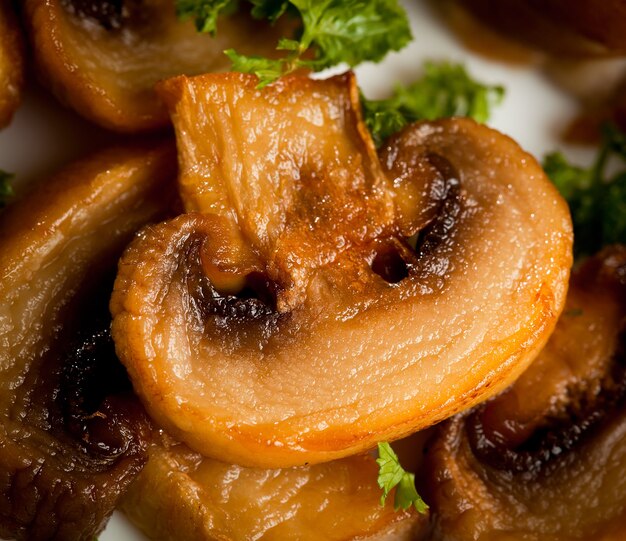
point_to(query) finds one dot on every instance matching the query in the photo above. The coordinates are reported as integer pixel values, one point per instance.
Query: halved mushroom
(11, 63)
(72, 434)
(546, 459)
(182, 495)
(103, 58)
(382, 294)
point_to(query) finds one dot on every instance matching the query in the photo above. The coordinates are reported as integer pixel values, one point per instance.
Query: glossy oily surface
(292, 370)
(182, 495)
(103, 58)
(72, 434)
(11, 63)
(545, 459)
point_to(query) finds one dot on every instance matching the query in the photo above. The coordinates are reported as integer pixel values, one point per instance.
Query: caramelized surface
(103, 58)
(181, 495)
(72, 436)
(348, 334)
(11, 63)
(546, 459)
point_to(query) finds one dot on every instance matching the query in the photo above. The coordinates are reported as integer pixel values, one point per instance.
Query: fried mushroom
(183, 495)
(11, 63)
(564, 27)
(546, 459)
(103, 57)
(381, 294)
(72, 434)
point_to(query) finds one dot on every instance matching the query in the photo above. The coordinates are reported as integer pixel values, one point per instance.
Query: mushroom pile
(214, 333)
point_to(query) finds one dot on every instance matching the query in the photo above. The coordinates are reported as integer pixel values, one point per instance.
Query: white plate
(43, 136)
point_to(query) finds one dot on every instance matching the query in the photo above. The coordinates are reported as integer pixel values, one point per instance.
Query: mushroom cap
(103, 60)
(365, 318)
(546, 458)
(183, 495)
(71, 438)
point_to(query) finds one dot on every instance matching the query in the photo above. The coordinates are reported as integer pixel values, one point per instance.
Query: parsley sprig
(6, 188)
(393, 475)
(446, 89)
(596, 196)
(331, 32)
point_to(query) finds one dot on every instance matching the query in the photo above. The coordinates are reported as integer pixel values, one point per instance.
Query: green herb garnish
(332, 32)
(6, 189)
(596, 197)
(445, 90)
(204, 13)
(391, 474)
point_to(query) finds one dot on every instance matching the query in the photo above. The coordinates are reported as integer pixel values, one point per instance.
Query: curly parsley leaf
(204, 13)
(597, 198)
(445, 90)
(6, 189)
(392, 475)
(352, 31)
(269, 9)
(332, 32)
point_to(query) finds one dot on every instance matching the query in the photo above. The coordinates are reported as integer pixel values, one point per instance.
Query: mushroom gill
(379, 294)
(103, 58)
(546, 459)
(11, 63)
(72, 434)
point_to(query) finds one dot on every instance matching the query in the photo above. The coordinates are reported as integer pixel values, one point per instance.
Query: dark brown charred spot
(96, 397)
(82, 435)
(561, 432)
(435, 244)
(248, 316)
(389, 264)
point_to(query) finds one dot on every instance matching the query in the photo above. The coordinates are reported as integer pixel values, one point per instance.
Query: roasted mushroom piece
(182, 495)
(103, 58)
(546, 459)
(379, 295)
(72, 433)
(11, 63)
(564, 27)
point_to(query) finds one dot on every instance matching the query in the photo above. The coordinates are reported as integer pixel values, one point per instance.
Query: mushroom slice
(546, 459)
(347, 332)
(182, 495)
(72, 434)
(103, 58)
(11, 63)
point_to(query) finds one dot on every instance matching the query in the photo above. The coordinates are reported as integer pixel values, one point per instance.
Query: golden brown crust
(298, 377)
(182, 495)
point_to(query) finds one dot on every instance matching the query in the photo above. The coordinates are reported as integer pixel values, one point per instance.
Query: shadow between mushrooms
(545, 460)
(322, 297)
(72, 434)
